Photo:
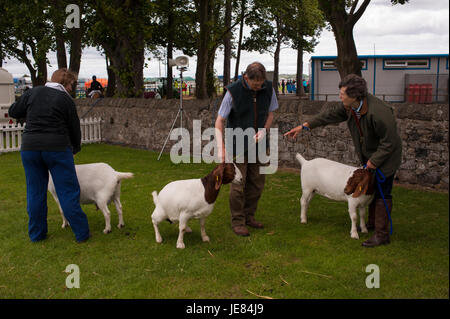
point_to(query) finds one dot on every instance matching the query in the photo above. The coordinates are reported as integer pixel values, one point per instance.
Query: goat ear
(364, 185)
(218, 177)
(358, 190)
(350, 187)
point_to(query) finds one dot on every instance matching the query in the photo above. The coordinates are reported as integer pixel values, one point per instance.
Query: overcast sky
(419, 27)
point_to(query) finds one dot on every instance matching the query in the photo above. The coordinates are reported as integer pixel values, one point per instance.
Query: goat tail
(121, 176)
(300, 159)
(155, 197)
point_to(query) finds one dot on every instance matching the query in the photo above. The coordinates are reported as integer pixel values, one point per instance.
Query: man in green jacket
(374, 133)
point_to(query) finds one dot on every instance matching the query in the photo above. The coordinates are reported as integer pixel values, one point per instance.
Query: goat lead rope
(381, 179)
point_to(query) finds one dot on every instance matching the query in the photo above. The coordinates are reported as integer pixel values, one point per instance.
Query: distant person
(51, 137)
(95, 85)
(283, 86)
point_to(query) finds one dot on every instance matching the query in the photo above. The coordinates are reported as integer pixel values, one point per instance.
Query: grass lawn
(286, 259)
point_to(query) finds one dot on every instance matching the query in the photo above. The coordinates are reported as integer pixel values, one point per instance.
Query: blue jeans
(62, 167)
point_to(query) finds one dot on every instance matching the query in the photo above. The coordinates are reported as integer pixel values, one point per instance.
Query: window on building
(407, 64)
(329, 64)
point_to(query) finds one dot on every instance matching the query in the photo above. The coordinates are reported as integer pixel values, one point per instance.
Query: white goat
(99, 184)
(338, 182)
(182, 200)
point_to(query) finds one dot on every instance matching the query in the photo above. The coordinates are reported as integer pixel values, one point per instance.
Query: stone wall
(145, 123)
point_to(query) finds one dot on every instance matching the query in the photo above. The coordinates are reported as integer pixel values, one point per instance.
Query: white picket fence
(11, 135)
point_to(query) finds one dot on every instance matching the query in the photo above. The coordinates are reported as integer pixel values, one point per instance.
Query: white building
(7, 96)
(388, 76)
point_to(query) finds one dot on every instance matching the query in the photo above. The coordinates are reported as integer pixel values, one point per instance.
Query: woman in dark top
(51, 136)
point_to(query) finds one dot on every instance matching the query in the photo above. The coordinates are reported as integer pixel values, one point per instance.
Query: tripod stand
(180, 109)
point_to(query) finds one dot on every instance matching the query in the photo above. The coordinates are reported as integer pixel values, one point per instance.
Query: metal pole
(181, 96)
(180, 113)
(167, 138)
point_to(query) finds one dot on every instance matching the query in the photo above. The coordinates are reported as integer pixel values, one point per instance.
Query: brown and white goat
(338, 182)
(182, 200)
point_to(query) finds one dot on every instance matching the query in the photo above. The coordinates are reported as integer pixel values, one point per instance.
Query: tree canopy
(126, 31)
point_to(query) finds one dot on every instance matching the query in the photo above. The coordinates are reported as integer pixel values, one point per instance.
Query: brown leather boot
(371, 220)
(241, 231)
(381, 236)
(253, 223)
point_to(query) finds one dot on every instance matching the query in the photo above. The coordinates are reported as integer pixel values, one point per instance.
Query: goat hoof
(120, 226)
(354, 236)
(303, 221)
(205, 239)
(106, 231)
(180, 246)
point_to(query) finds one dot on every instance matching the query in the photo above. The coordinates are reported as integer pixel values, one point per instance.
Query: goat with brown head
(362, 182)
(191, 198)
(223, 173)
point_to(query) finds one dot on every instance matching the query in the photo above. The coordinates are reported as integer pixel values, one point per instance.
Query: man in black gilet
(248, 103)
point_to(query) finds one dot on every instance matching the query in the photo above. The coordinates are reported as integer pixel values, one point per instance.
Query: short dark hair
(256, 71)
(356, 86)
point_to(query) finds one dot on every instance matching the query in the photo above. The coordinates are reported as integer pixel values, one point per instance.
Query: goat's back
(184, 196)
(325, 177)
(96, 180)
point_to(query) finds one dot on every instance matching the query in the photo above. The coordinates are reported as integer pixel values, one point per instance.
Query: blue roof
(321, 57)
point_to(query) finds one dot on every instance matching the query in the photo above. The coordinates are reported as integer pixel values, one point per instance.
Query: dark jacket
(245, 113)
(379, 143)
(52, 122)
(250, 109)
(95, 85)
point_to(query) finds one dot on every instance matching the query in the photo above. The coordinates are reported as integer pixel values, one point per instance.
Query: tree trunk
(41, 78)
(202, 53)
(210, 78)
(128, 65)
(61, 56)
(241, 30)
(347, 60)
(299, 77)
(111, 88)
(126, 51)
(227, 46)
(75, 49)
(342, 24)
(276, 60)
(58, 22)
(171, 31)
